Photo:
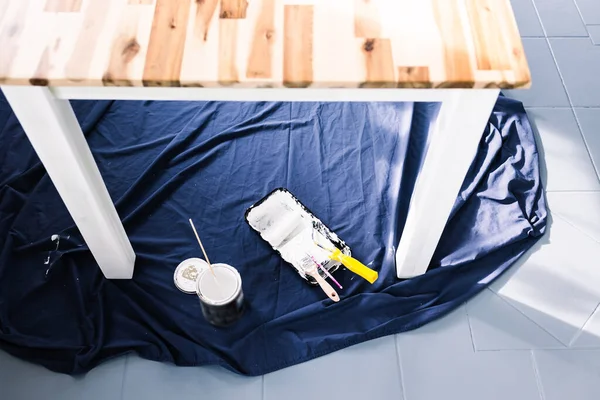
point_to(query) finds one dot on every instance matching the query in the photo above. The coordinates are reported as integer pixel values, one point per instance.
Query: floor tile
(590, 334)
(561, 18)
(367, 370)
(580, 209)
(579, 62)
(594, 31)
(527, 18)
(555, 284)
(565, 161)
(569, 374)
(590, 11)
(497, 325)
(589, 120)
(150, 380)
(20, 380)
(438, 362)
(546, 89)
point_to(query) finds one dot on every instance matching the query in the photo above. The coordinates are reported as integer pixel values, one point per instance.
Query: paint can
(221, 295)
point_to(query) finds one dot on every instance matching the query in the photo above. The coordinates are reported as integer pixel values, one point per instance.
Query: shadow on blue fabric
(353, 164)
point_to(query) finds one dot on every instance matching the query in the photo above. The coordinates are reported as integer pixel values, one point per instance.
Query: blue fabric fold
(353, 164)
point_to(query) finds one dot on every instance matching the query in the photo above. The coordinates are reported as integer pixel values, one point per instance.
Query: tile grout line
(536, 373)
(521, 350)
(573, 191)
(565, 37)
(562, 107)
(399, 362)
(587, 148)
(124, 375)
(470, 328)
(564, 219)
(528, 318)
(580, 331)
(537, 12)
(596, 167)
(587, 27)
(581, 16)
(583, 21)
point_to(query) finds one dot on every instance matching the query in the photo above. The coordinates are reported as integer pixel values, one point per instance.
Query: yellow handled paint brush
(349, 262)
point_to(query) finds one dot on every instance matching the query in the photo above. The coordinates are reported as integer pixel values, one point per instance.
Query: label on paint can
(221, 295)
(187, 273)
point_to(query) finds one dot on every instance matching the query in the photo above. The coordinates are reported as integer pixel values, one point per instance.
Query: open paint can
(221, 296)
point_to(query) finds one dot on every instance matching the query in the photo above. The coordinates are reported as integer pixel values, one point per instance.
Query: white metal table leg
(56, 136)
(452, 148)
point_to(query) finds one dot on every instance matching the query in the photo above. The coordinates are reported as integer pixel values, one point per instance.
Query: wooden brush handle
(327, 288)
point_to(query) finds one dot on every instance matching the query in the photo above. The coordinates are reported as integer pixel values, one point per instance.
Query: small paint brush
(311, 270)
(202, 247)
(326, 272)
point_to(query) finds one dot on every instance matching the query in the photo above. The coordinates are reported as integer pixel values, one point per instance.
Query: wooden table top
(262, 43)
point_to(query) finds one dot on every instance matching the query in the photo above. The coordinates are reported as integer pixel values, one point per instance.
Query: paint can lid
(222, 287)
(187, 273)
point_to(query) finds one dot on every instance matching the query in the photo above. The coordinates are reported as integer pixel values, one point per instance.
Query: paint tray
(291, 229)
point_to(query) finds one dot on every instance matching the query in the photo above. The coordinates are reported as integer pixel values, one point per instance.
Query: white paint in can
(220, 294)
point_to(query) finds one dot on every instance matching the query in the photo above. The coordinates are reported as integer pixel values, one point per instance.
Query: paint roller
(280, 232)
(280, 218)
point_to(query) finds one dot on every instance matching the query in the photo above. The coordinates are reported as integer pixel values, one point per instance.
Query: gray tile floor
(535, 334)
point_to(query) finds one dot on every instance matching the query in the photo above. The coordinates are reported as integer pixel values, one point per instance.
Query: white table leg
(452, 148)
(56, 136)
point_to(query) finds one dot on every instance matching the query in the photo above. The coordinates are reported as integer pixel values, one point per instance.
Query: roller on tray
(302, 239)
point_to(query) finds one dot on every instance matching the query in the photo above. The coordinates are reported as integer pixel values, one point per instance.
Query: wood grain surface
(262, 43)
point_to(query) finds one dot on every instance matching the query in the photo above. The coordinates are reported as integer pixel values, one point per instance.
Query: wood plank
(298, 45)
(490, 47)
(367, 23)
(40, 77)
(38, 33)
(518, 59)
(3, 9)
(414, 77)
(12, 28)
(337, 61)
(56, 35)
(63, 5)
(167, 41)
(124, 50)
(228, 30)
(80, 61)
(493, 79)
(260, 60)
(424, 35)
(233, 9)
(379, 63)
(205, 10)
(200, 65)
(457, 62)
(50, 57)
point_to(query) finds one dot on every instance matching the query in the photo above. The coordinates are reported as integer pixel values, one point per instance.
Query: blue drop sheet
(353, 164)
